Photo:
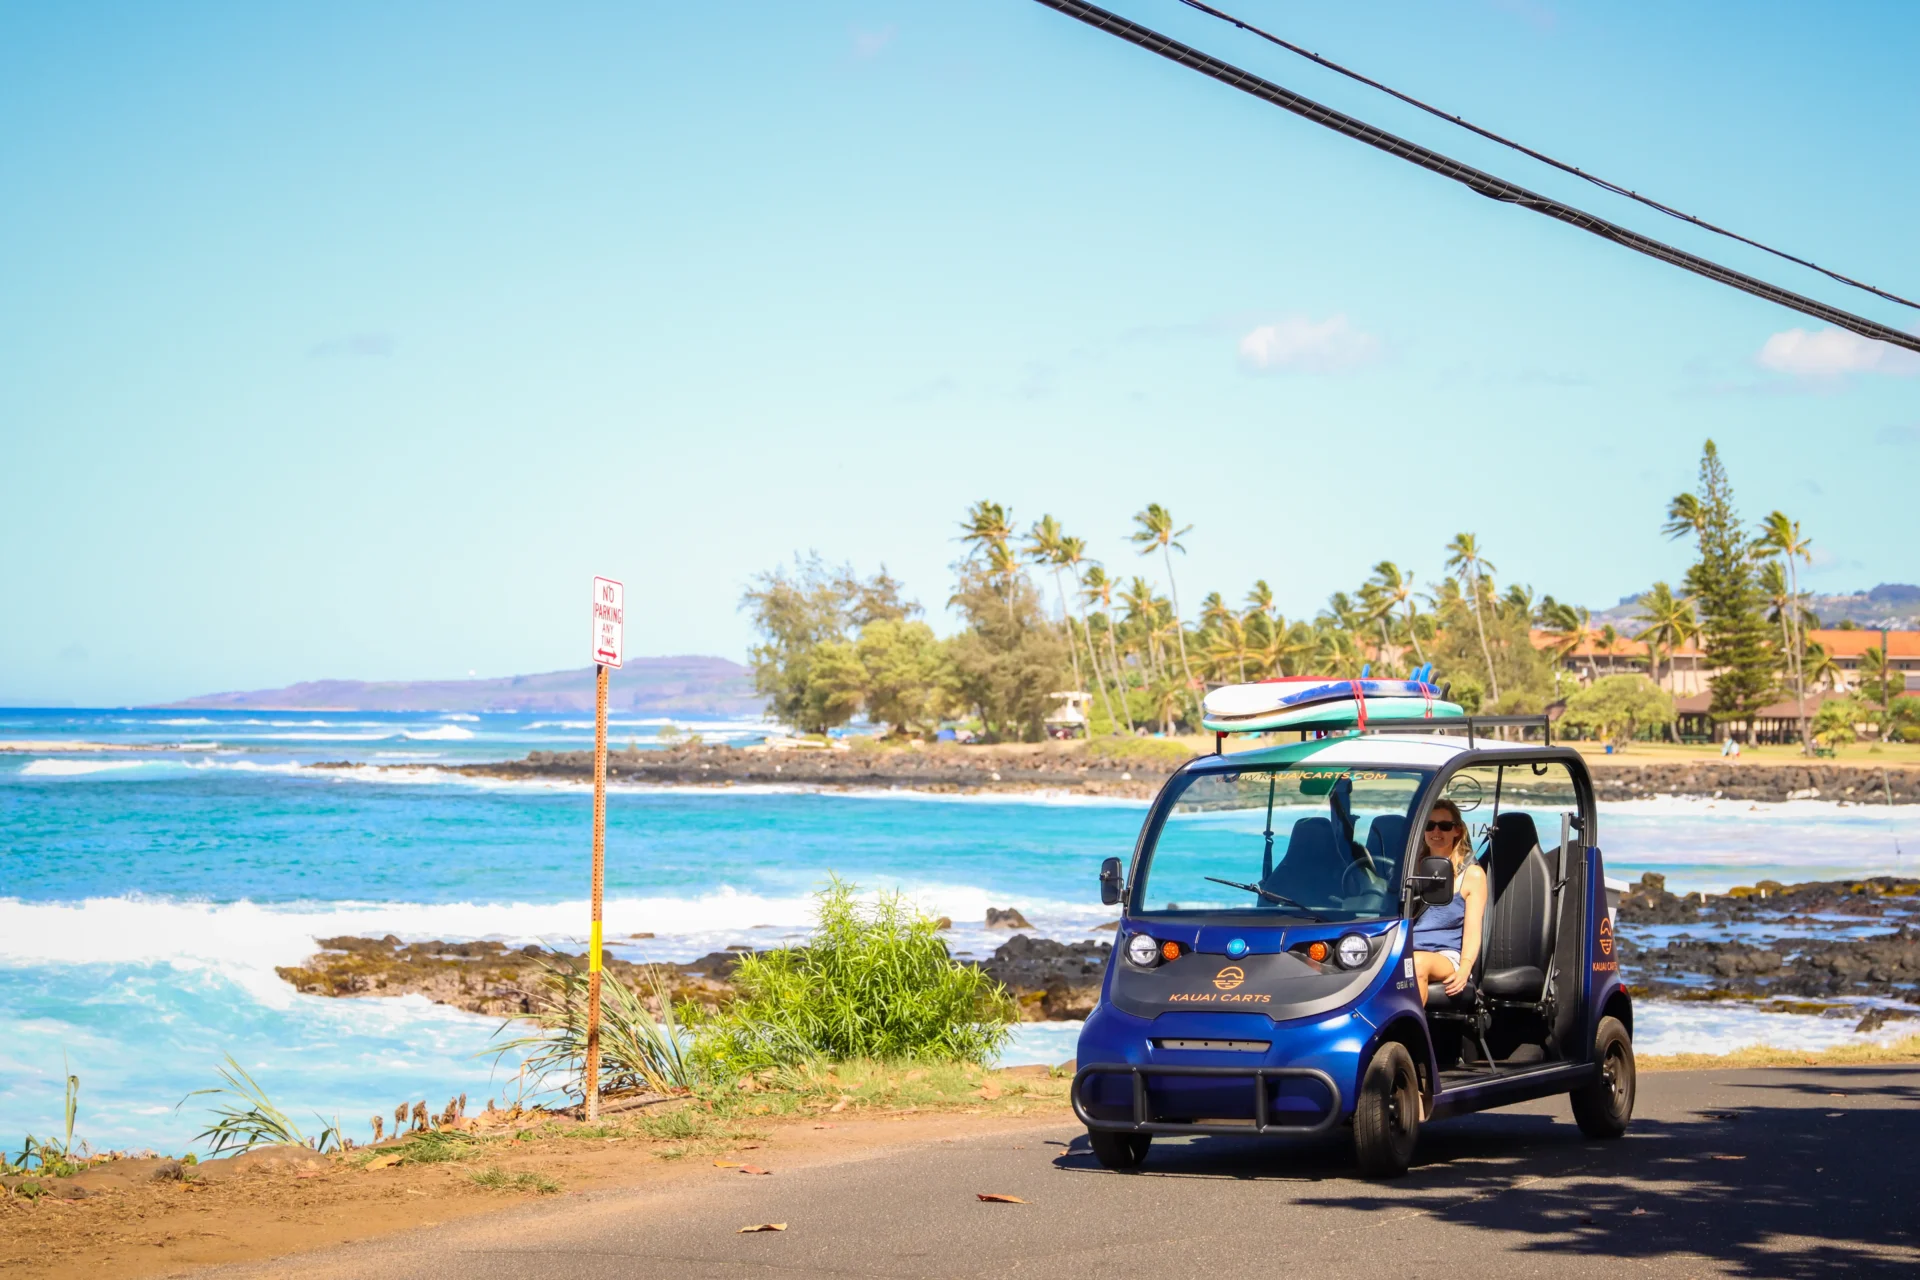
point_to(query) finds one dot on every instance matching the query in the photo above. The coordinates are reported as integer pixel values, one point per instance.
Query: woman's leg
(1429, 966)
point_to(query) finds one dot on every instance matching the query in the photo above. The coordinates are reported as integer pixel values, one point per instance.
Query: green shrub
(874, 981)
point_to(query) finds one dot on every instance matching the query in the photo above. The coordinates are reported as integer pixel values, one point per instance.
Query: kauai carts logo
(1604, 937)
(1229, 978)
(1224, 981)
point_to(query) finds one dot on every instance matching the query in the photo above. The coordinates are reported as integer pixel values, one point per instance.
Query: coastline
(1129, 769)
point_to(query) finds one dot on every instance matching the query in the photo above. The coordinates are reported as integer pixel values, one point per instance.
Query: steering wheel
(1359, 878)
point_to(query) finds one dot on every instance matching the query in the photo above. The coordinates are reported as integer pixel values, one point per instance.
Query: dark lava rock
(1051, 980)
(1006, 918)
(1649, 903)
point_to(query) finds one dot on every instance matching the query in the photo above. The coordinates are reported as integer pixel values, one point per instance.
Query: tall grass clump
(873, 981)
(637, 1049)
(247, 1118)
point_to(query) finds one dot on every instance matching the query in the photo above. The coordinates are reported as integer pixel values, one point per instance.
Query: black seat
(1313, 864)
(1519, 946)
(1387, 840)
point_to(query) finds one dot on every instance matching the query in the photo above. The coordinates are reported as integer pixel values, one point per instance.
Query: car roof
(1366, 750)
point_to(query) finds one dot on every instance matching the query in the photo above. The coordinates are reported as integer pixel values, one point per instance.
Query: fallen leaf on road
(826, 1126)
(997, 1199)
(1636, 1213)
(751, 1146)
(762, 1226)
(1836, 1095)
(725, 1164)
(1835, 1115)
(386, 1161)
(839, 1106)
(990, 1091)
(1729, 1157)
(754, 1168)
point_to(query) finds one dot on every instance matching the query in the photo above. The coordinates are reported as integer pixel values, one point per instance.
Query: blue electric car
(1262, 979)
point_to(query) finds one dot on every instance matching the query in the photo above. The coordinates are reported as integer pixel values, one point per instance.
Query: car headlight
(1352, 950)
(1143, 951)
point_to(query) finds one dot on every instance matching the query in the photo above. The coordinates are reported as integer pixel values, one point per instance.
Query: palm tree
(1260, 599)
(1043, 547)
(987, 531)
(1228, 647)
(1609, 637)
(1571, 627)
(1820, 667)
(1782, 537)
(1072, 554)
(1155, 529)
(1395, 589)
(1877, 670)
(1137, 595)
(1684, 517)
(1670, 623)
(1097, 588)
(1464, 558)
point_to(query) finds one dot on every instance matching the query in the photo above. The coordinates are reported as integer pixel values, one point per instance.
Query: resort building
(1684, 672)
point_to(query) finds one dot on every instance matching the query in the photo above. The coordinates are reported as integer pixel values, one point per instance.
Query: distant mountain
(682, 686)
(1893, 605)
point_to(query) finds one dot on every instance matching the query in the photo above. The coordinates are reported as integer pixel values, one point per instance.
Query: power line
(1543, 158)
(1474, 179)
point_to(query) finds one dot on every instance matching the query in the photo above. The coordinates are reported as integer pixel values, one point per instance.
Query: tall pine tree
(1725, 585)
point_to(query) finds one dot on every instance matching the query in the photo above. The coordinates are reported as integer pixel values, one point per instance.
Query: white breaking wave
(72, 768)
(459, 715)
(445, 733)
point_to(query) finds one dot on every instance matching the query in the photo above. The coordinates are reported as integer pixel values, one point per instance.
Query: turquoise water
(148, 891)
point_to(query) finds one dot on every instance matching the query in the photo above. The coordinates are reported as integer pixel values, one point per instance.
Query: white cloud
(1332, 345)
(1833, 353)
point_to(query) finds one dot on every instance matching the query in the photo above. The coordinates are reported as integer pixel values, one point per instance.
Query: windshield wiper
(1265, 893)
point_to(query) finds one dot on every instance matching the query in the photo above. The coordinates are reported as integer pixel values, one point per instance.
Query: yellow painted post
(599, 879)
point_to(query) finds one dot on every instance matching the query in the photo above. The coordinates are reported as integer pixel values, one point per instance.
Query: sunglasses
(1442, 825)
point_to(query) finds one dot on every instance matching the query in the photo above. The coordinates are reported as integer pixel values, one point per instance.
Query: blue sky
(352, 340)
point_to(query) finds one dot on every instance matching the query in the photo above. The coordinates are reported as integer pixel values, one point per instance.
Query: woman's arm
(1474, 889)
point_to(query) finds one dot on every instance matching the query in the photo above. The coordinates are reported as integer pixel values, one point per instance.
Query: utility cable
(1543, 158)
(1474, 179)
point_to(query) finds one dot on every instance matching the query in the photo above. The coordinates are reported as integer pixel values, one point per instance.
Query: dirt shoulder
(139, 1218)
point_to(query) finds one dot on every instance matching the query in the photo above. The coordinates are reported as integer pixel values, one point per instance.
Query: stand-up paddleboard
(1237, 702)
(1350, 713)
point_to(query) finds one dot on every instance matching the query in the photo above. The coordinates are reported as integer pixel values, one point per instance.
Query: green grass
(873, 981)
(500, 1180)
(1159, 750)
(248, 1117)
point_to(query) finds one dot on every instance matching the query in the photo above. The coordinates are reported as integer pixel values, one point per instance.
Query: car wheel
(1603, 1108)
(1121, 1152)
(1386, 1114)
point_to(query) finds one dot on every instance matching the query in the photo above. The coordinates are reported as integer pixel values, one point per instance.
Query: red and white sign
(609, 621)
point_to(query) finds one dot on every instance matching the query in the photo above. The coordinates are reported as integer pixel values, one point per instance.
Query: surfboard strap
(1359, 704)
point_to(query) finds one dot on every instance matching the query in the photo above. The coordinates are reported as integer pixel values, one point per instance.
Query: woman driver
(1446, 939)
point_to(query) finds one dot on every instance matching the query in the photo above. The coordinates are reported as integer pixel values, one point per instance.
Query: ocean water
(148, 890)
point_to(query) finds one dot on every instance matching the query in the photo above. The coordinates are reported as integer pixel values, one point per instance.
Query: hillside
(677, 686)
(1894, 605)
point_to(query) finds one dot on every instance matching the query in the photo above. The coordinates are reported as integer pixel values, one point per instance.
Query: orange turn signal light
(1169, 951)
(1317, 952)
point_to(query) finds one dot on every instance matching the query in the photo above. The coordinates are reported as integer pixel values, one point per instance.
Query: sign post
(609, 639)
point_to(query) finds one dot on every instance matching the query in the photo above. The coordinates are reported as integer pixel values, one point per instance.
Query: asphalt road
(1751, 1173)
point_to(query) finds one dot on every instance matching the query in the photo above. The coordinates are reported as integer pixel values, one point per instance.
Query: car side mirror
(1433, 881)
(1110, 882)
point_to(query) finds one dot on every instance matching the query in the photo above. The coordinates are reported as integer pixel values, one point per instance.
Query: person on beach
(1446, 939)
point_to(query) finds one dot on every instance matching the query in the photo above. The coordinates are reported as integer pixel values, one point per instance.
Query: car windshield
(1301, 842)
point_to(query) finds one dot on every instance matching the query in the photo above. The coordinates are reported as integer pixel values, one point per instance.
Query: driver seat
(1313, 863)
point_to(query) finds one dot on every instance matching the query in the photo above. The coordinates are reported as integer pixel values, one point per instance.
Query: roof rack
(1472, 725)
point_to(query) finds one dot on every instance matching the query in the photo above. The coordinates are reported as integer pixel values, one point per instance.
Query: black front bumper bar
(1262, 1125)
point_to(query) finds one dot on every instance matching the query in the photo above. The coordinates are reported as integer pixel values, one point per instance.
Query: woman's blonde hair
(1459, 829)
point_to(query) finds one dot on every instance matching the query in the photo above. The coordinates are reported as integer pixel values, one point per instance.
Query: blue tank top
(1442, 928)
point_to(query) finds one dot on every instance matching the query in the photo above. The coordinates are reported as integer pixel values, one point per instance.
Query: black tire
(1386, 1114)
(1121, 1152)
(1603, 1108)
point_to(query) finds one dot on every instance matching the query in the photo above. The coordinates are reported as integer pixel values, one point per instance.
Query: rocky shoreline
(1133, 768)
(1821, 947)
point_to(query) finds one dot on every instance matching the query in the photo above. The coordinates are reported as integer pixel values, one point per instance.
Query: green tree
(1073, 554)
(1835, 723)
(1615, 707)
(1464, 558)
(899, 673)
(1725, 585)
(1096, 588)
(1154, 528)
(799, 610)
(1009, 658)
(1880, 680)
(1669, 623)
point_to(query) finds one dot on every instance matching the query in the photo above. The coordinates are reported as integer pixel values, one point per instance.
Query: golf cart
(1262, 979)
